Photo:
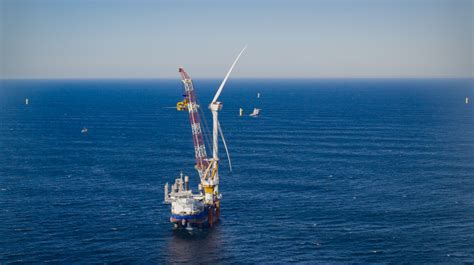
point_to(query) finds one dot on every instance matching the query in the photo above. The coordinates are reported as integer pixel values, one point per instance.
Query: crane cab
(182, 105)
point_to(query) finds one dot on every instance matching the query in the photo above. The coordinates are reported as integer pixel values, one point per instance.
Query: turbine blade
(218, 93)
(225, 146)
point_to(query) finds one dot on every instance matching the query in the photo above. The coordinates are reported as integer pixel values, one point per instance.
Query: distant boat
(467, 100)
(255, 113)
(241, 112)
(258, 95)
(84, 130)
(26, 101)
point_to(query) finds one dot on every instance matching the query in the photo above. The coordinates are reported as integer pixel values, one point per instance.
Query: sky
(286, 39)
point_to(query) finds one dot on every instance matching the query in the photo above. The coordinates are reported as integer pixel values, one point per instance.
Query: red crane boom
(193, 108)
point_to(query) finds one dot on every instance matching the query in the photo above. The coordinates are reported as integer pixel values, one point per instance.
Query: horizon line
(241, 78)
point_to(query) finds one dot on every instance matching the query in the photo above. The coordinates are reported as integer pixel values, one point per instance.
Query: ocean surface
(334, 171)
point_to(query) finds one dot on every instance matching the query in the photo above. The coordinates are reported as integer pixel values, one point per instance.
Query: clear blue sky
(151, 39)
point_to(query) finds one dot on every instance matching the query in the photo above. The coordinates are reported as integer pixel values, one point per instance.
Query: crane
(194, 118)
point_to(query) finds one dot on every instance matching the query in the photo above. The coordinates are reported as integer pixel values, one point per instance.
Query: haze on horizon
(309, 39)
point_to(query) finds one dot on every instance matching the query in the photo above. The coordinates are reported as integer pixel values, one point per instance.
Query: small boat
(27, 101)
(84, 130)
(255, 113)
(241, 112)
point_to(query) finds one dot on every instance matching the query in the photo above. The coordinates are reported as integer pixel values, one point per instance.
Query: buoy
(241, 112)
(26, 101)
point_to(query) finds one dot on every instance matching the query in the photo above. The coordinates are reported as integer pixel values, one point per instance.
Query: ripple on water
(344, 172)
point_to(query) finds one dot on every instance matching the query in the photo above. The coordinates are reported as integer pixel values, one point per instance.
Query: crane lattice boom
(202, 162)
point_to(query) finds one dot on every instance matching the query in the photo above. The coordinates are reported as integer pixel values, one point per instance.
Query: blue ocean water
(334, 171)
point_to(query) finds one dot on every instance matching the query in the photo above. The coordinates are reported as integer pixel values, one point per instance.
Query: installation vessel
(200, 209)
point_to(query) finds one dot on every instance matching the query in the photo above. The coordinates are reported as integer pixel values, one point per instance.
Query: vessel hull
(207, 218)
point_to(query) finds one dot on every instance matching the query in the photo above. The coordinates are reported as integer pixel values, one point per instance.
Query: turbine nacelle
(215, 106)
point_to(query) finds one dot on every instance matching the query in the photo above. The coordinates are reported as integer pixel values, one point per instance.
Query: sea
(334, 171)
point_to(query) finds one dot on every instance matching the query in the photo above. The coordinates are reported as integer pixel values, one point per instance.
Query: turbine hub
(216, 106)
